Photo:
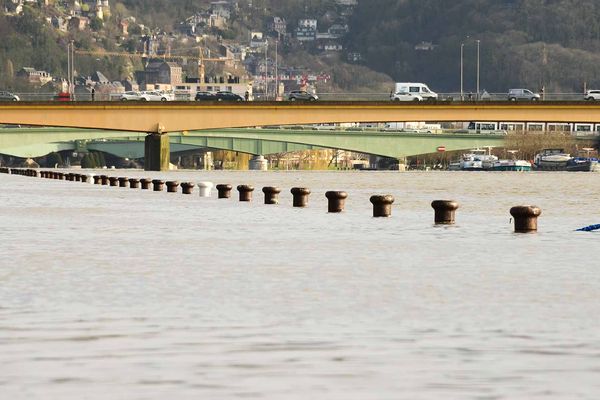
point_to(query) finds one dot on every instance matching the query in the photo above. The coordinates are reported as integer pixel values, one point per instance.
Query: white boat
(513, 164)
(552, 160)
(478, 160)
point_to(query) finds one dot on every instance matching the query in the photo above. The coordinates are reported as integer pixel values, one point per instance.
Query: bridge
(158, 120)
(36, 142)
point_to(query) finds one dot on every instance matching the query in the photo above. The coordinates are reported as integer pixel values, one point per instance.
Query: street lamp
(478, 66)
(462, 71)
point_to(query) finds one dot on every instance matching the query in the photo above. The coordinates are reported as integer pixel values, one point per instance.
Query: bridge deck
(164, 117)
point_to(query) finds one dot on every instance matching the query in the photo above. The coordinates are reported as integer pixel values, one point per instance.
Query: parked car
(302, 95)
(522, 95)
(156, 96)
(405, 96)
(228, 96)
(592, 95)
(205, 96)
(131, 96)
(8, 96)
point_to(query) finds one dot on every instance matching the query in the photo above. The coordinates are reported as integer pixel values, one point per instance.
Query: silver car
(302, 95)
(522, 95)
(8, 96)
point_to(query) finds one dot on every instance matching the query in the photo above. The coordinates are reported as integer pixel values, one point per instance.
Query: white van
(419, 89)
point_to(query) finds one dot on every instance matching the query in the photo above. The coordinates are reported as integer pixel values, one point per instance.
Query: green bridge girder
(36, 142)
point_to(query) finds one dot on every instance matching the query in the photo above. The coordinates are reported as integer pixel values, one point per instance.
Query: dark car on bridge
(228, 96)
(302, 95)
(205, 96)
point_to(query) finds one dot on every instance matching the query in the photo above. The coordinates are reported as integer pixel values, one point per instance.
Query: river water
(109, 293)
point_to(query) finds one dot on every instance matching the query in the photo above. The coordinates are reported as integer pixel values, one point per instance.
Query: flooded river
(109, 293)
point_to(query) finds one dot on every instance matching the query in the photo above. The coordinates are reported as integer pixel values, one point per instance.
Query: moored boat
(552, 160)
(478, 160)
(512, 165)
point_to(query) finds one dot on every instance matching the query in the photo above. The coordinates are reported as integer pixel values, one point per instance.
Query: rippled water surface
(109, 293)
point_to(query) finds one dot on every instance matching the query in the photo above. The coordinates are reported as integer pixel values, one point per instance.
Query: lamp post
(478, 66)
(462, 71)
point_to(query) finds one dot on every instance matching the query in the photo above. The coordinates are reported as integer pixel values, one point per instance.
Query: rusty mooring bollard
(444, 211)
(61, 176)
(114, 181)
(271, 194)
(134, 183)
(104, 180)
(336, 201)
(78, 177)
(123, 181)
(145, 183)
(245, 192)
(187, 187)
(97, 179)
(172, 186)
(300, 196)
(224, 191)
(525, 218)
(158, 185)
(382, 205)
(84, 178)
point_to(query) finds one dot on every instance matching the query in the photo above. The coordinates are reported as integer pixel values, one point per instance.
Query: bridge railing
(346, 96)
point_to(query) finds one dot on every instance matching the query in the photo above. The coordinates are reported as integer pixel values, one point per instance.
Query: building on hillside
(34, 76)
(78, 23)
(159, 73)
(257, 40)
(222, 8)
(278, 26)
(229, 83)
(354, 57)
(60, 23)
(329, 45)
(425, 46)
(306, 30)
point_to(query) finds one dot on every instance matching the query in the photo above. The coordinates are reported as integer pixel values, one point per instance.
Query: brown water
(109, 293)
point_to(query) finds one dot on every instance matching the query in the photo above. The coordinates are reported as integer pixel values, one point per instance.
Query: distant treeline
(524, 43)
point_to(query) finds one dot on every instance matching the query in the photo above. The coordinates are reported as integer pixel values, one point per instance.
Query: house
(257, 39)
(278, 26)
(78, 23)
(222, 8)
(425, 46)
(34, 76)
(306, 30)
(124, 27)
(160, 73)
(329, 45)
(60, 23)
(354, 57)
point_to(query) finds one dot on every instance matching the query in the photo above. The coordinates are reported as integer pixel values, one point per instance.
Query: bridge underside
(36, 142)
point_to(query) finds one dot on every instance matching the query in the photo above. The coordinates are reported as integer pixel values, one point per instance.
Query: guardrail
(184, 96)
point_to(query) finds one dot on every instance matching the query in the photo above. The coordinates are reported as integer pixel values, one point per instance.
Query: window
(414, 89)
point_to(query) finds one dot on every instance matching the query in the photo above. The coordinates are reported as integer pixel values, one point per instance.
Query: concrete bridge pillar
(157, 152)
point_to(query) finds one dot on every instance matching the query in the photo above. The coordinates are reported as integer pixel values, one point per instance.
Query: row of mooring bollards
(444, 210)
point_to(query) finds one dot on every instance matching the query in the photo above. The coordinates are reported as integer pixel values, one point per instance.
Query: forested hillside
(524, 43)
(530, 43)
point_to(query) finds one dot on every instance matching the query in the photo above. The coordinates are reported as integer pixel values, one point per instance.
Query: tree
(96, 24)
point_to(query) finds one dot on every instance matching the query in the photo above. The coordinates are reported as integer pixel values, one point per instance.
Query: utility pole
(478, 66)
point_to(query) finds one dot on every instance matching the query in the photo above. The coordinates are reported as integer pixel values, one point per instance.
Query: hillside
(527, 43)
(524, 43)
